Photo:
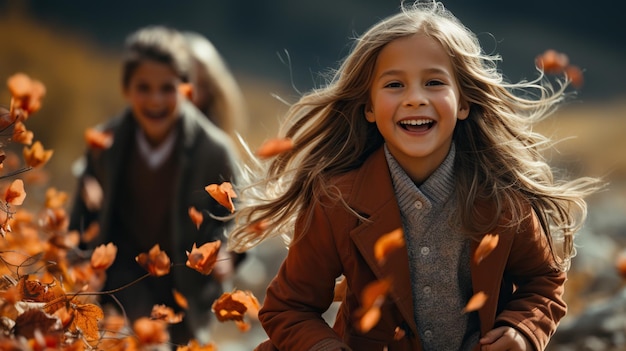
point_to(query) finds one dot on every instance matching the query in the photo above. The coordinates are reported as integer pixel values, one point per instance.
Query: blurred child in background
(164, 152)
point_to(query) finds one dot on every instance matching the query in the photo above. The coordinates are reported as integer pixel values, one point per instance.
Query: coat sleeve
(537, 304)
(303, 289)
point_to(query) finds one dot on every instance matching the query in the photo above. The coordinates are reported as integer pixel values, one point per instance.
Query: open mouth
(155, 115)
(417, 125)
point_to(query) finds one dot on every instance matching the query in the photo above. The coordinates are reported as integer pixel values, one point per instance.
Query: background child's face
(152, 93)
(415, 102)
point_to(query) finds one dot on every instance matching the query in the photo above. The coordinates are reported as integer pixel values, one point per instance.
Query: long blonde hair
(498, 155)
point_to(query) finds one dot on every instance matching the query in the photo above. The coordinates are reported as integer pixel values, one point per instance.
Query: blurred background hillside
(283, 47)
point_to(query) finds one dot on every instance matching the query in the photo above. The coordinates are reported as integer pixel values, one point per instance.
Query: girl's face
(415, 103)
(152, 93)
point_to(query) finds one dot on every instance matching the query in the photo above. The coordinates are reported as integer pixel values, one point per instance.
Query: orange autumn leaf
(186, 90)
(196, 216)
(103, 256)
(372, 297)
(150, 331)
(180, 299)
(26, 92)
(273, 147)
(166, 314)
(194, 345)
(55, 198)
(487, 244)
(575, 75)
(552, 61)
(15, 193)
(388, 243)
(476, 302)
(156, 262)
(86, 319)
(258, 227)
(203, 258)
(234, 306)
(32, 290)
(36, 155)
(21, 134)
(97, 139)
(223, 194)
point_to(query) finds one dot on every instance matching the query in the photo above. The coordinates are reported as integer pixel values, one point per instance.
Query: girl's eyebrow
(431, 70)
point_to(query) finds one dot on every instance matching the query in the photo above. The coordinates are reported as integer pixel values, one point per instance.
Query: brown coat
(337, 242)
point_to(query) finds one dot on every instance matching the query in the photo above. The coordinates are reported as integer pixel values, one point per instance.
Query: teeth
(416, 122)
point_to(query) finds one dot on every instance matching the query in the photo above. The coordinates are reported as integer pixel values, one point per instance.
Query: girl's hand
(505, 339)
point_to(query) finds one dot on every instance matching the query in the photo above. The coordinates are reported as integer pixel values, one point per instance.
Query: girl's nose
(415, 97)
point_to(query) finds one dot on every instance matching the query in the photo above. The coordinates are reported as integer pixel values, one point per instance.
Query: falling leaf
(150, 332)
(103, 256)
(26, 92)
(476, 302)
(372, 297)
(369, 319)
(180, 299)
(21, 134)
(388, 243)
(166, 314)
(223, 194)
(186, 90)
(97, 139)
(233, 306)
(55, 198)
(86, 318)
(575, 75)
(156, 262)
(552, 61)
(273, 147)
(194, 345)
(258, 227)
(487, 244)
(36, 155)
(32, 290)
(196, 216)
(15, 193)
(203, 258)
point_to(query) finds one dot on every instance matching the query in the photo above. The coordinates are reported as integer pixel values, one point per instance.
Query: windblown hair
(225, 106)
(498, 156)
(159, 44)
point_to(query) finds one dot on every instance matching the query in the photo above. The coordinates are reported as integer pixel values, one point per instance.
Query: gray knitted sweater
(438, 258)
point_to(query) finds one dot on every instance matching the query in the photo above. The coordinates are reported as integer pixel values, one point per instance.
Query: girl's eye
(434, 82)
(142, 88)
(169, 88)
(394, 85)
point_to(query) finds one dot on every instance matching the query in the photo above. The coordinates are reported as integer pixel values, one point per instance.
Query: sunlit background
(284, 47)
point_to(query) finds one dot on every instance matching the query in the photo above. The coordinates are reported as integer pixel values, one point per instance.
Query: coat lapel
(487, 277)
(377, 201)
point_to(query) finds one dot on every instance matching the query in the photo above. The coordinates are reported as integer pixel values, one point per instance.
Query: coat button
(419, 205)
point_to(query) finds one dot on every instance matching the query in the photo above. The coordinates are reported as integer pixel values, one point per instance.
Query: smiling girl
(416, 131)
(164, 153)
